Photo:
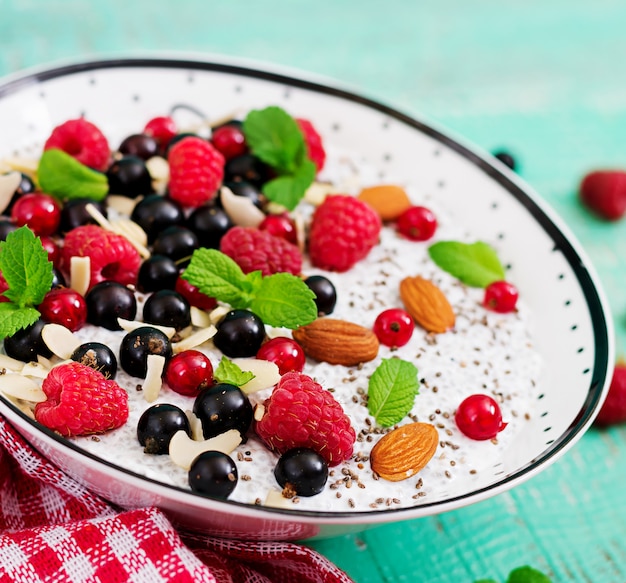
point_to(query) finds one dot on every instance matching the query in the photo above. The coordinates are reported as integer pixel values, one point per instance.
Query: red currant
(189, 372)
(479, 417)
(53, 250)
(280, 226)
(286, 353)
(162, 129)
(40, 212)
(393, 327)
(193, 295)
(230, 141)
(500, 296)
(64, 306)
(417, 223)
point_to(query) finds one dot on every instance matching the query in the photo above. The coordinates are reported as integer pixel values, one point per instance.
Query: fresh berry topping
(129, 177)
(209, 223)
(189, 372)
(193, 295)
(479, 417)
(393, 327)
(74, 213)
(6, 227)
(98, 356)
(112, 256)
(343, 231)
(196, 171)
(604, 192)
(155, 213)
(109, 300)
(162, 129)
(300, 413)
(240, 333)
(81, 401)
(158, 424)
(325, 293)
(284, 352)
(613, 409)
(52, 249)
(254, 250)
(223, 407)
(313, 141)
(140, 145)
(501, 297)
(156, 273)
(176, 243)
(40, 212)
(302, 472)
(230, 140)
(506, 158)
(82, 140)
(137, 345)
(280, 226)
(166, 307)
(417, 223)
(214, 474)
(246, 168)
(242, 187)
(65, 307)
(4, 286)
(27, 343)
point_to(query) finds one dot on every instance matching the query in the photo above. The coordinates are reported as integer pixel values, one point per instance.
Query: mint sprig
(391, 391)
(28, 272)
(274, 137)
(61, 175)
(475, 264)
(524, 574)
(281, 299)
(230, 373)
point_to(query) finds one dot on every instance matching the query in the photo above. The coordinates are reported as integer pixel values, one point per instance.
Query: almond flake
(21, 387)
(259, 411)
(317, 192)
(200, 318)
(265, 373)
(26, 165)
(159, 171)
(196, 426)
(218, 313)
(80, 274)
(121, 228)
(151, 386)
(195, 340)
(241, 210)
(8, 185)
(122, 204)
(183, 449)
(60, 340)
(275, 499)
(132, 325)
(35, 369)
(11, 364)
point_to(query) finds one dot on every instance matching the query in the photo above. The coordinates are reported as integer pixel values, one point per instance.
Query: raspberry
(82, 140)
(81, 401)
(343, 231)
(112, 256)
(196, 171)
(604, 192)
(300, 413)
(313, 141)
(254, 250)
(614, 408)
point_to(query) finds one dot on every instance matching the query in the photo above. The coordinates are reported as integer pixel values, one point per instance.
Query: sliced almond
(241, 210)
(218, 313)
(183, 449)
(265, 373)
(12, 364)
(60, 340)
(259, 411)
(153, 382)
(122, 204)
(159, 171)
(80, 274)
(26, 407)
(131, 325)
(194, 340)
(275, 499)
(318, 191)
(8, 185)
(196, 426)
(21, 387)
(26, 165)
(200, 318)
(35, 370)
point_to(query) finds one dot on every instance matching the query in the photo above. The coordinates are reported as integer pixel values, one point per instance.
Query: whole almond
(337, 341)
(403, 452)
(427, 304)
(388, 200)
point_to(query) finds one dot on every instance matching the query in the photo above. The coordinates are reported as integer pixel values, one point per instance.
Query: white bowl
(572, 326)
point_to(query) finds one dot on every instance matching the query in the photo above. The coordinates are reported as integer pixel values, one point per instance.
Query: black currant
(27, 343)
(325, 293)
(57, 279)
(506, 158)
(302, 470)
(129, 176)
(98, 356)
(214, 474)
(6, 227)
(74, 213)
(239, 333)
(167, 308)
(155, 213)
(158, 424)
(222, 407)
(209, 222)
(107, 301)
(157, 272)
(176, 243)
(26, 186)
(140, 145)
(137, 345)
(246, 167)
(247, 190)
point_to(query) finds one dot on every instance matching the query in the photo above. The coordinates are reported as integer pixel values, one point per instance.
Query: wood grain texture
(544, 80)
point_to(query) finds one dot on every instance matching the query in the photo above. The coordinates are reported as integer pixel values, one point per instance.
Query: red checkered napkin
(54, 530)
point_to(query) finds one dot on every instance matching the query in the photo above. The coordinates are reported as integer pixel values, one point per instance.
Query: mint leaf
(527, 574)
(25, 267)
(486, 581)
(287, 190)
(274, 137)
(218, 276)
(284, 300)
(475, 264)
(14, 318)
(391, 391)
(228, 372)
(61, 175)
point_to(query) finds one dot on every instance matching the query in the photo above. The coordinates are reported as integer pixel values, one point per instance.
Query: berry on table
(82, 140)
(301, 471)
(604, 192)
(284, 352)
(98, 356)
(64, 306)
(393, 327)
(138, 344)
(479, 417)
(223, 407)
(158, 424)
(613, 409)
(501, 297)
(214, 474)
(325, 293)
(40, 212)
(417, 223)
(300, 413)
(189, 372)
(240, 333)
(107, 301)
(81, 401)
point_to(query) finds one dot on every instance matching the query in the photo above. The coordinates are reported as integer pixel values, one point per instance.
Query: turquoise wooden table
(544, 80)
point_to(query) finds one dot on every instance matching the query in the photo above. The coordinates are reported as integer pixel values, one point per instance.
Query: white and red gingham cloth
(54, 530)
